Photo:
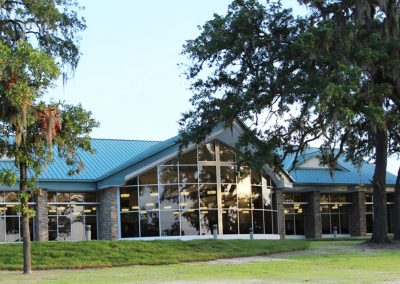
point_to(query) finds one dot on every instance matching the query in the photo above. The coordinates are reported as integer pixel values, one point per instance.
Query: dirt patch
(240, 260)
(393, 245)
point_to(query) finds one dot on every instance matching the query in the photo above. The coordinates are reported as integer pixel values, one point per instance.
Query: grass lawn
(323, 262)
(69, 255)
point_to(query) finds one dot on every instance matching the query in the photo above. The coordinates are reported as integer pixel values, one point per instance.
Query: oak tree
(330, 75)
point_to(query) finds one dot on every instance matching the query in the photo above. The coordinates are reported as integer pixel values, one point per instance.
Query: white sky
(128, 74)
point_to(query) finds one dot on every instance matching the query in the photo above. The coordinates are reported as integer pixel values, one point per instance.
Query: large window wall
(334, 208)
(369, 211)
(294, 213)
(69, 213)
(10, 218)
(189, 195)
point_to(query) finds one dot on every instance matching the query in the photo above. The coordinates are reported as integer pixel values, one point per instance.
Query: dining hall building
(132, 189)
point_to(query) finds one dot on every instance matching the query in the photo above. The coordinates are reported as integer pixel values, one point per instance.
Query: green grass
(70, 255)
(323, 262)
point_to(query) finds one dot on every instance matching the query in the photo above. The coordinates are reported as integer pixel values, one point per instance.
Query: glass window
(190, 223)
(268, 222)
(77, 228)
(169, 221)
(149, 177)
(230, 221)
(206, 152)
(2, 196)
(149, 226)
(256, 177)
(226, 154)
(12, 229)
(2, 227)
(208, 196)
(244, 221)
(188, 174)
(188, 158)
(189, 197)
(11, 196)
(229, 196)
(326, 224)
(63, 197)
(92, 222)
(148, 197)
(299, 224)
(258, 221)
(77, 197)
(168, 174)
(11, 210)
(52, 196)
(289, 224)
(64, 228)
(208, 218)
(228, 174)
(208, 174)
(90, 197)
(130, 225)
(169, 197)
(256, 197)
(129, 199)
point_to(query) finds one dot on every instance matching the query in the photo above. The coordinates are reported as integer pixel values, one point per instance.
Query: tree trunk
(380, 227)
(397, 208)
(26, 236)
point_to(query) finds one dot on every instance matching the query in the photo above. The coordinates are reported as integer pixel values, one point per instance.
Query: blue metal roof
(115, 158)
(110, 153)
(346, 174)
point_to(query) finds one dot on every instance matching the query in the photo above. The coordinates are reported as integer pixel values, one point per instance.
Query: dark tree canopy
(330, 76)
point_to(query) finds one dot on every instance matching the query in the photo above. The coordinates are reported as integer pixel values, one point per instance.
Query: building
(135, 189)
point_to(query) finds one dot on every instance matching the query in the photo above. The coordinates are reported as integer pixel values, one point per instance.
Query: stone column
(108, 214)
(281, 214)
(41, 223)
(356, 214)
(312, 215)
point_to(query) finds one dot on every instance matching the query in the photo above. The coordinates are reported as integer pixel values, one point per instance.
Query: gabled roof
(110, 153)
(114, 156)
(345, 173)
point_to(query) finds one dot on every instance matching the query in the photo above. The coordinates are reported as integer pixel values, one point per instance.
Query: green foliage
(331, 75)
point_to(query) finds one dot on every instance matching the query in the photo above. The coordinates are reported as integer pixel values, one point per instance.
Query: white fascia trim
(166, 158)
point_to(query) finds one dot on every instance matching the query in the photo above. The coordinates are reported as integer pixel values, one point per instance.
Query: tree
(330, 75)
(38, 40)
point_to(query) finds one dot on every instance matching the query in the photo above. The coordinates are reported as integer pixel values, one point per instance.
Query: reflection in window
(129, 199)
(229, 196)
(208, 218)
(230, 221)
(206, 152)
(169, 197)
(189, 197)
(149, 226)
(148, 197)
(208, 196)
(190, 225)
(149, 177)
(226, 154)
(244, 221)
(69, 213)
(228, 174)
(168, 174)
(185, 199)
(169, 221)
(208, 174)
(130, 225)
(188, 174)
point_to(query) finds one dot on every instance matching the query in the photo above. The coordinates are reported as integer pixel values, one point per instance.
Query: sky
(128, 75)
